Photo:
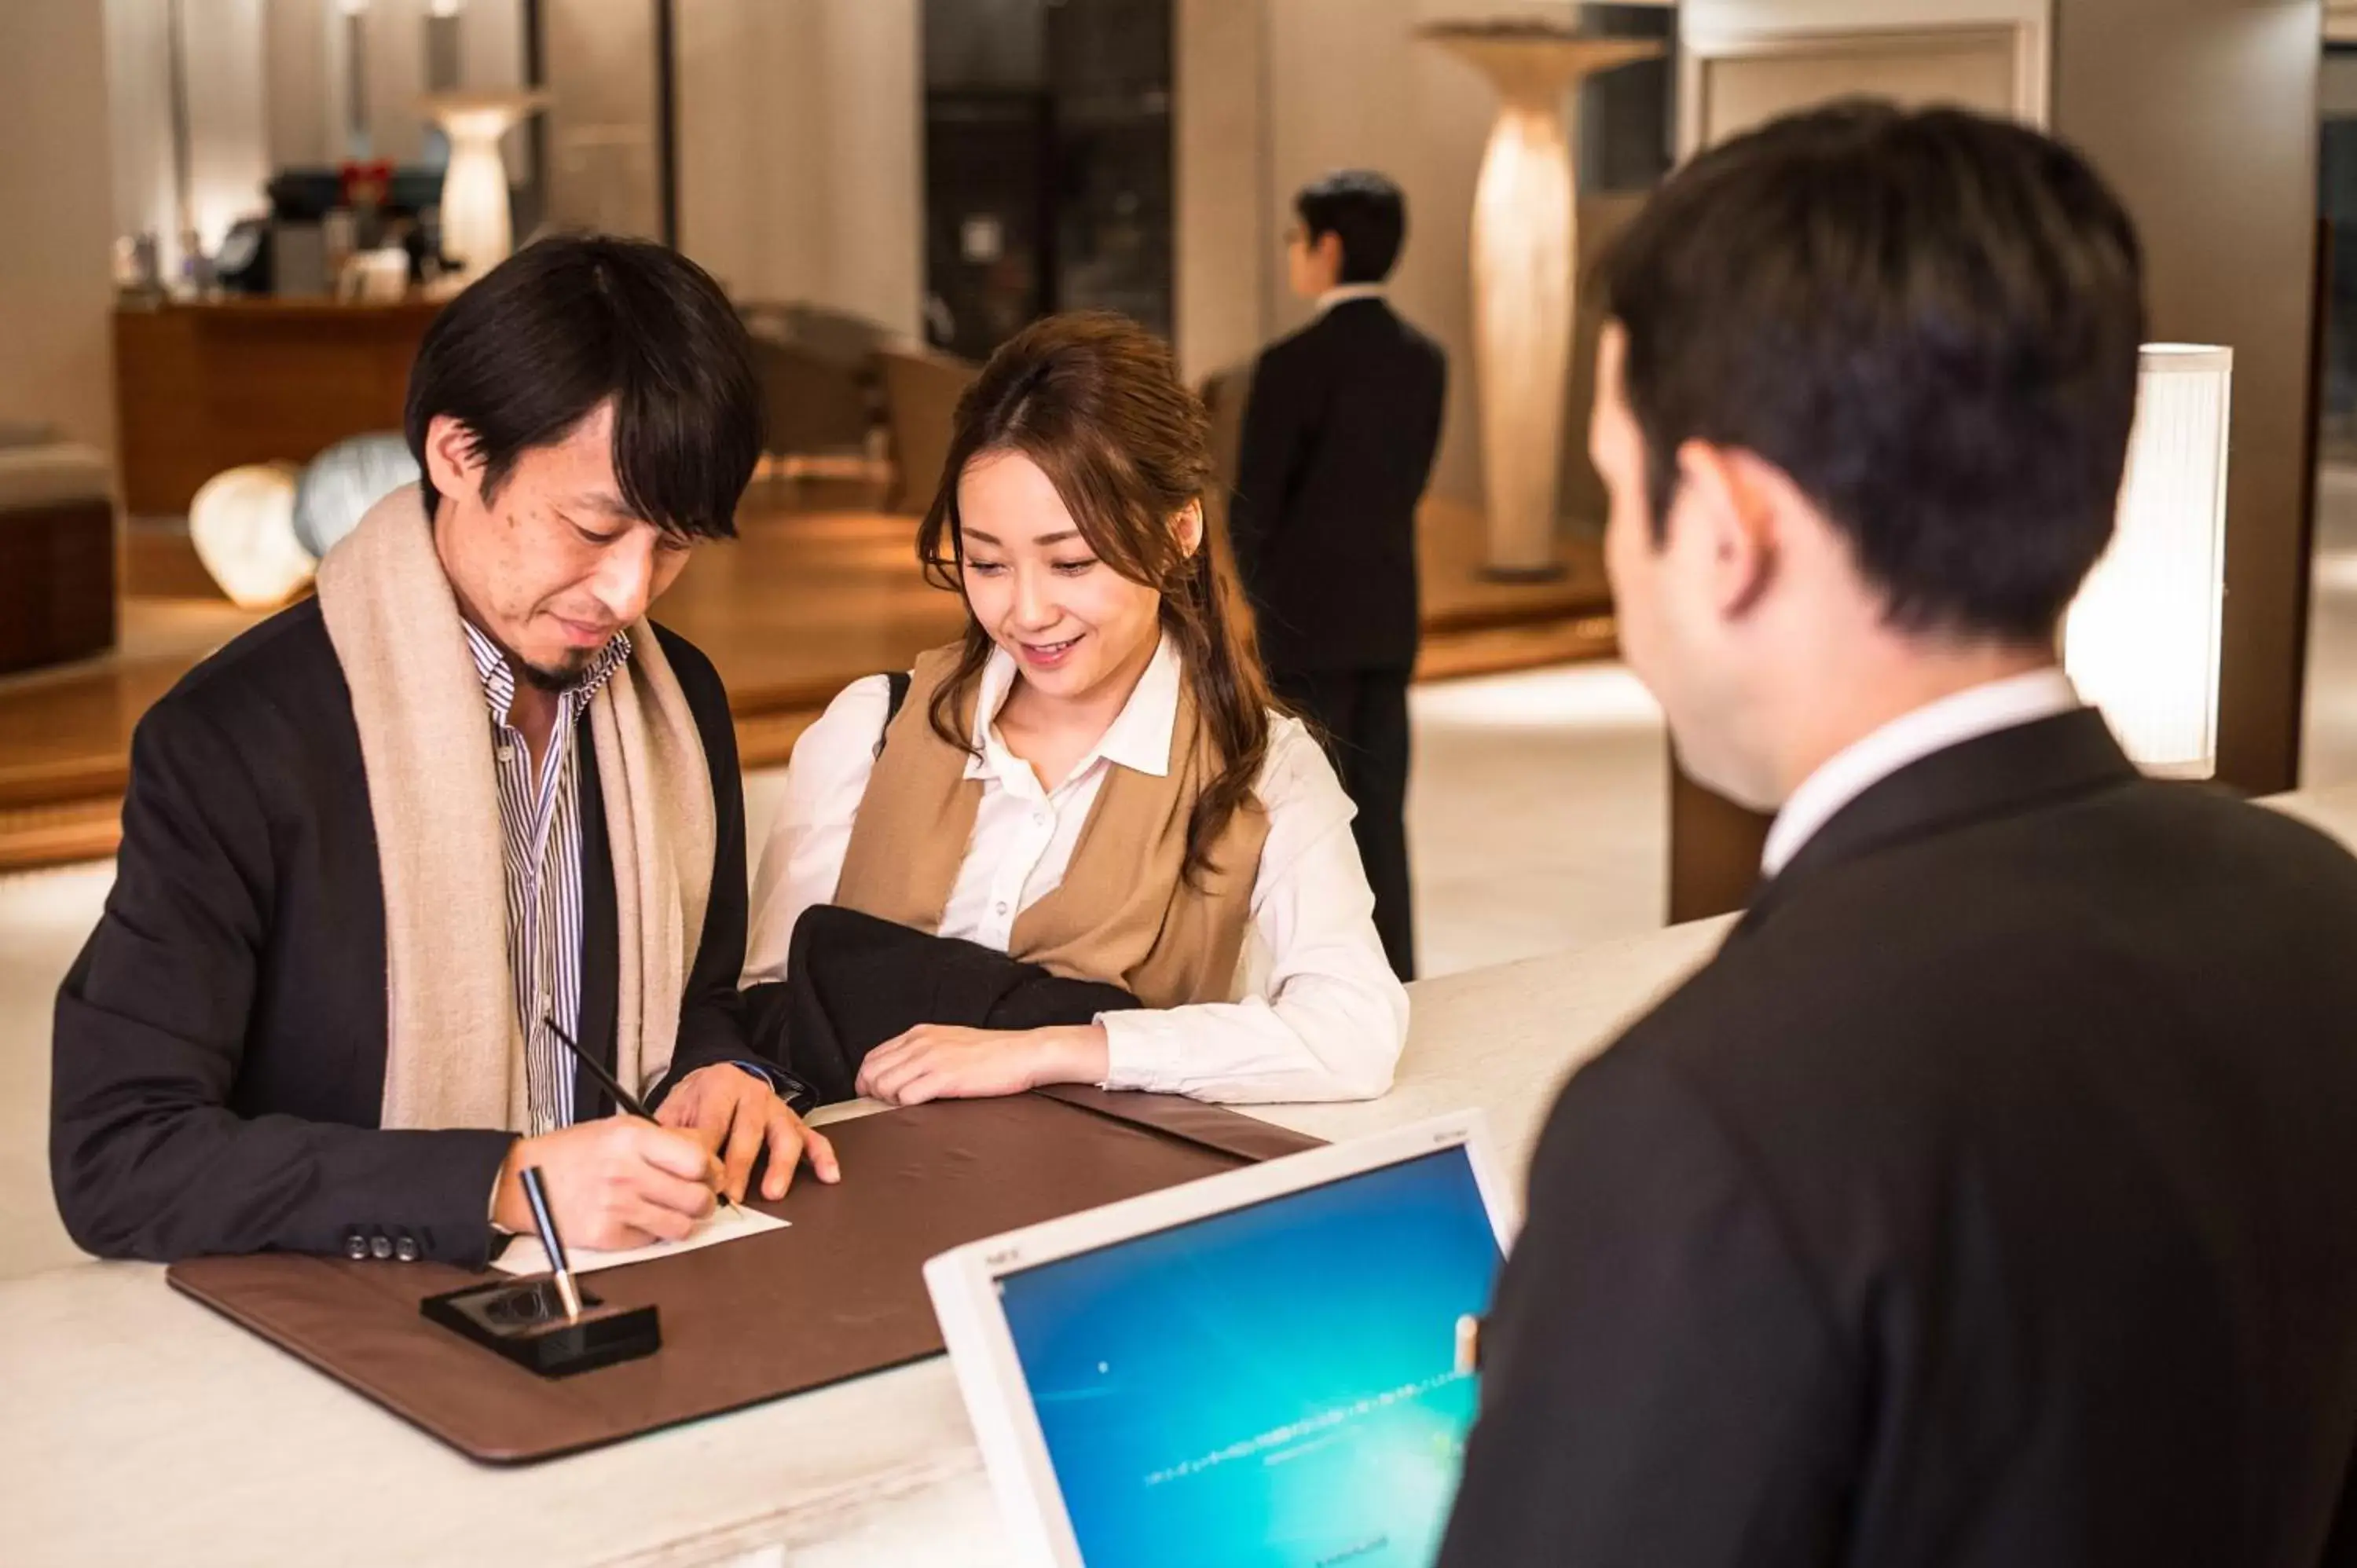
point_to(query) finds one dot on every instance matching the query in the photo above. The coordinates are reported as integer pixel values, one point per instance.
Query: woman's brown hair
(1095, 400)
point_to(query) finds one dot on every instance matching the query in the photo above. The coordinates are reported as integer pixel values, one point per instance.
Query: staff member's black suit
(220, 1042)
(1338, 437)
(1989, 1201)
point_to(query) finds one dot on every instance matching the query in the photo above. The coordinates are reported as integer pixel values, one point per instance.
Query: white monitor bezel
(964, 1280)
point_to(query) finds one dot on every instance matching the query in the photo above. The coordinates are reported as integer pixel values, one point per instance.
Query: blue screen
(1277, 1385)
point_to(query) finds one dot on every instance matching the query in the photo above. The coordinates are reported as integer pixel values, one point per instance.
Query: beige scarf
(1123, 914)
(454, 1046)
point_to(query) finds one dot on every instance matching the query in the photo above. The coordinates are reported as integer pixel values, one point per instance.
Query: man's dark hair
(1930, 320)
(533, 346)
(1367, 212)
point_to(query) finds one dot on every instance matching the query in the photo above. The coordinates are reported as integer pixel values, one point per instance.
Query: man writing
(380, 851)
(1983, 1200)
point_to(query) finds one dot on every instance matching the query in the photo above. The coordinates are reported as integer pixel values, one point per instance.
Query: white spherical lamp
(340, 484)
(243, 525)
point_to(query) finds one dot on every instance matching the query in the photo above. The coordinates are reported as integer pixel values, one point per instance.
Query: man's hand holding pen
(622, 1182)
(615, 1183)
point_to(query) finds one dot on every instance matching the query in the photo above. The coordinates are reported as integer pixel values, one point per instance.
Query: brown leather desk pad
(838, 1294)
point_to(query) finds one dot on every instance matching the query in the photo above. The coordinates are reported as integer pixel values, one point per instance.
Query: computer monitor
(1273, 1366)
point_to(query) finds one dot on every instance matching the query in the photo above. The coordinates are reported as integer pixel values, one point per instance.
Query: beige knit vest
(1123, 913)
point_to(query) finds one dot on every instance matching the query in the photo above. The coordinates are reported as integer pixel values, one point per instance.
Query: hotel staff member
(380, 849)
(1338, 437)
(1986, 1200)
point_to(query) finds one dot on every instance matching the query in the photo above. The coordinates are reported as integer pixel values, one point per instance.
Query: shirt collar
(1935, 727)
(500, 682)
(1138, 738)
(609, 659)
(1345, 293)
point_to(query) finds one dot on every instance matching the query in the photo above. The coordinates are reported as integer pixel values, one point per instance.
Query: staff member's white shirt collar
(1935, 727)
(1346, 292)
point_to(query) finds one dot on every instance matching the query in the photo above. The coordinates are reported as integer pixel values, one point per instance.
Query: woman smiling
(1095, 779)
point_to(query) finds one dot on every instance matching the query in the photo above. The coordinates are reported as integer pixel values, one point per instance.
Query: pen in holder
(549, 1323)
(551, 1243)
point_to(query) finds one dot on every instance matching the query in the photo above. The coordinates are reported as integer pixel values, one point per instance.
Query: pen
(631, 1104)
(567, 1291)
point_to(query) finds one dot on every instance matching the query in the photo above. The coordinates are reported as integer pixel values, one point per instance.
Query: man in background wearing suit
(1340, 431)
(1986, 1200)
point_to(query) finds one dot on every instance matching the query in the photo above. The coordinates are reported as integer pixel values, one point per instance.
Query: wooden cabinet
(200, 388)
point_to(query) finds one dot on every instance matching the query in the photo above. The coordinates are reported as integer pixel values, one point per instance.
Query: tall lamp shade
(1525, 260)
(476, 225)
(2142, 639)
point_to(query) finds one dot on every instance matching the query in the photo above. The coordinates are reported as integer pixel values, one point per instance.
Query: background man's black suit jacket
(220, 1050)
(1338, 437)
(1990, 1201)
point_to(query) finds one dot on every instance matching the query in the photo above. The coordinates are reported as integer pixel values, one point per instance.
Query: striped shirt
(540, 833)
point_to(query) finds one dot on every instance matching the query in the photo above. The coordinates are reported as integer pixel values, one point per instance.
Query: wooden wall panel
(2202, 112)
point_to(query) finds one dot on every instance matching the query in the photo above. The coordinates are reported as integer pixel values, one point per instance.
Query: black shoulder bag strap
(896, 680)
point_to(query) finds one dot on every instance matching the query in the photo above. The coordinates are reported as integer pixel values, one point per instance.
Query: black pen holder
(524, 1321)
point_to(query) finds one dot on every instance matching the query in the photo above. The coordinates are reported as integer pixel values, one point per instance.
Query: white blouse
(1320, 1014)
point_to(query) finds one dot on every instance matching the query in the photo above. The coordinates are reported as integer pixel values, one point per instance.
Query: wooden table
(137, 1427)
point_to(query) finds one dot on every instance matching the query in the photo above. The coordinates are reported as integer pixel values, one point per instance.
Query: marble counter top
(135, 1426)
(138, 1427)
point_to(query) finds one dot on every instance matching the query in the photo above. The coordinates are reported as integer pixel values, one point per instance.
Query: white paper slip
(524, 1255)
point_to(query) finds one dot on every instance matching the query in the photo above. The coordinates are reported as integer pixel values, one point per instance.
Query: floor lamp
(2142, 639)
(1526, 270)
(477, 226)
